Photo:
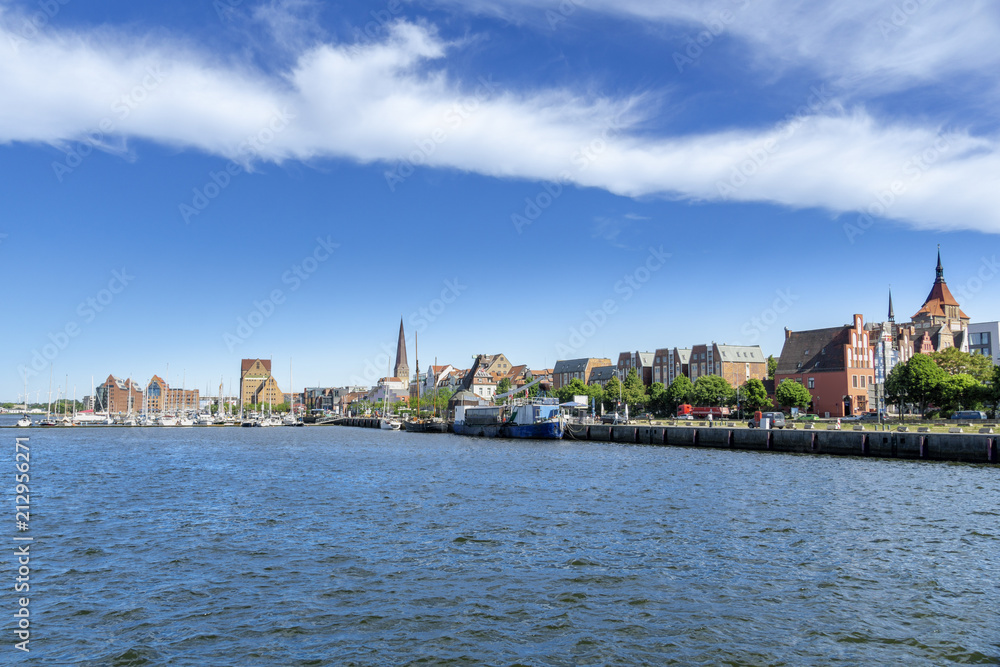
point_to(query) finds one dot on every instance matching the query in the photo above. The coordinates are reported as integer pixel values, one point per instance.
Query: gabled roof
(602, 374)
(684, 354)
(646, 359)
(814, 351)
(571, 366)
(247, 363)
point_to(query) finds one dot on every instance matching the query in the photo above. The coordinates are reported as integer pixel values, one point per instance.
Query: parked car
(807, 418)
(612, 418)
(968, 415)
(870, 417)
(777, 419)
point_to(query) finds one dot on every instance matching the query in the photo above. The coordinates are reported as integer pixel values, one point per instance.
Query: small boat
(389, 424)
(206, 420)
(167, 420)
(525, 418)
(433, 425)
(24, 422)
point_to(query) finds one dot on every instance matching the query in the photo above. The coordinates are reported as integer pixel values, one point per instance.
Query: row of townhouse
(735, 363)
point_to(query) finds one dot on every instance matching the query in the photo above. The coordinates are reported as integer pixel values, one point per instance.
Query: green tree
(791, 394)
(990, 393)
(680, 391)
(634, 390)
(959, 391)
(712, 390)
(754, 395)
(612, 391)
(502, 388)
(658, 397)
(772, 366)
(921, 376)
(954, 362)
(566, 392)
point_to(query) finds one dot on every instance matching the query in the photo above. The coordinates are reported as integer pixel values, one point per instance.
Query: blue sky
(546, 179)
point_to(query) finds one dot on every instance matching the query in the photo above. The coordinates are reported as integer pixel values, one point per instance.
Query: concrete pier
(966, 447)
(961, 447)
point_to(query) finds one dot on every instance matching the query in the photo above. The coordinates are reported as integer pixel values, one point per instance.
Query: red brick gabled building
(835, 365)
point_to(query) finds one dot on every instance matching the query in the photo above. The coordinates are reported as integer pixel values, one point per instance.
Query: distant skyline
(196, 183)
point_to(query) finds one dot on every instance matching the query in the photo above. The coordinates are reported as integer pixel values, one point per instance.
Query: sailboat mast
(416, 357)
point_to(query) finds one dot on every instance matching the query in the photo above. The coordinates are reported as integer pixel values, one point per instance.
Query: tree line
(707, 390)
(941, 383)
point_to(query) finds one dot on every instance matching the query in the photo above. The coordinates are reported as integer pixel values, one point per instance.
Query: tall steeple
(402, 368)
(892, 315)
(940, 269)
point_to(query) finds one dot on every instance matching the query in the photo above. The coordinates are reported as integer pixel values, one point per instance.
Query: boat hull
(550, 430)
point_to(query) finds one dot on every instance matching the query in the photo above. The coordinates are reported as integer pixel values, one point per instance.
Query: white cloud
(881, 44)
(393, 100)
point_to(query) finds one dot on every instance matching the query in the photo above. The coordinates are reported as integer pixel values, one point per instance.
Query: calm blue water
(340, 546)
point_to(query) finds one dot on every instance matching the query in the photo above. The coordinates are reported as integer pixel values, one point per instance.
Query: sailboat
(290, 419)
(387, 423)
(48, 421)
(25, 420)
(419, 425)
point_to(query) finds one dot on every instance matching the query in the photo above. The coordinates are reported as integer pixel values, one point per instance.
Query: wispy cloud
(373, 102)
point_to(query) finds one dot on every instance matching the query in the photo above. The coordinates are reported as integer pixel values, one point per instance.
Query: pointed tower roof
(402, 368)
(892, 314)
(939, 297)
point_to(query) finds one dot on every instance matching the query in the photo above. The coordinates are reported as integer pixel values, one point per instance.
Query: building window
(863, 381)
(812, 383)
(855, 379)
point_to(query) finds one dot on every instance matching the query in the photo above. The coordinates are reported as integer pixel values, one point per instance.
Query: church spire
(940, 269)
(402, 368)
(892, 315)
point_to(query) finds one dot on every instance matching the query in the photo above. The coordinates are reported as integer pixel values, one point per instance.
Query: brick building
(117, 396)
(836, 365)
(257, 385)
(575, 369)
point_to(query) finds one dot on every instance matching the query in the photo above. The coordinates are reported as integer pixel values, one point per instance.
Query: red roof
(247, 363)
(939, 297)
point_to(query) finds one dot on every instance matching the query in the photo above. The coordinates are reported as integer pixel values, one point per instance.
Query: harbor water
(345, 546)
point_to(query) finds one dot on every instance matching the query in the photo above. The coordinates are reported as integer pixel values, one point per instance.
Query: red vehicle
(685, 410)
